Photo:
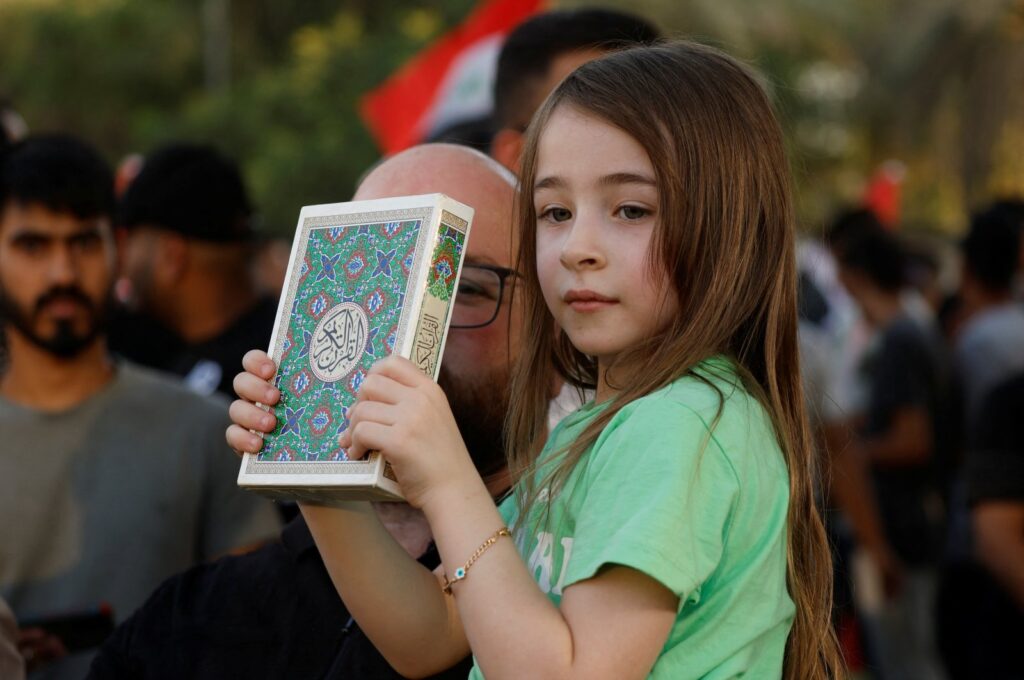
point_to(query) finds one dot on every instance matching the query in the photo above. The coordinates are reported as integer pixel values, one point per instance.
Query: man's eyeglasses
(481, 290)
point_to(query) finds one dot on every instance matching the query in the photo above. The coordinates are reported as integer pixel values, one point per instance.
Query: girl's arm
(613, 625)
(397, 601)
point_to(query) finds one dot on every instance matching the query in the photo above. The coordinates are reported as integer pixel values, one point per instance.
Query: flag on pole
(449, 82)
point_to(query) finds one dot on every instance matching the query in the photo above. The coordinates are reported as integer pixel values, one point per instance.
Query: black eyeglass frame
(503, 273)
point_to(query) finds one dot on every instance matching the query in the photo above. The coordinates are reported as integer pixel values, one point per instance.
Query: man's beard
(479, 407)
(65, 342)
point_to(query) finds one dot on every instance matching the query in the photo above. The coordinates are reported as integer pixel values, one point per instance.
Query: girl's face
(596, 202)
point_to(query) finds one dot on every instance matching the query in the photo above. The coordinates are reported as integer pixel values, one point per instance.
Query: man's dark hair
(850, 224)
(532, 46)
(59, 172)
(878, 255)
(475, 133)
(991, 248)
(190, 189)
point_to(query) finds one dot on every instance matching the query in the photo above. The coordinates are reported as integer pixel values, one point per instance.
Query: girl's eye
(556, 214)
(633, 212)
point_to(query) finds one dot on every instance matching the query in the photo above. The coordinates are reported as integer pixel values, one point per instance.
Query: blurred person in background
(540, 52)
(989, 346)
(12, 125)
(12, 665)
(982, 601)
(899, 437)
(980, 615)
(104, 491)
(188, 252)
(866, 566)
(270, 266)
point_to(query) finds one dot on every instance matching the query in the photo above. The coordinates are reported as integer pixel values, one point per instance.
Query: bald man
(274, 612)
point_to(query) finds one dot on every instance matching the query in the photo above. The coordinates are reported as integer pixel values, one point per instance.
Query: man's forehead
(20, 218)
(490, 239)
(458, 174)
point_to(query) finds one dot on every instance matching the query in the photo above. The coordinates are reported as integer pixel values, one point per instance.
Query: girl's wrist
(461, 494)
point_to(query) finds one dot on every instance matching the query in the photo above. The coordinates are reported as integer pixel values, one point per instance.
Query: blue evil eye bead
(460, 573)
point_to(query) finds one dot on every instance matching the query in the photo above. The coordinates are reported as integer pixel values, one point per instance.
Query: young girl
(667, 528)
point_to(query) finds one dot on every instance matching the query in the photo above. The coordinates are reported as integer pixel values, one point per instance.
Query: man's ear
(172, 256)
(506, 148)
(121, 237)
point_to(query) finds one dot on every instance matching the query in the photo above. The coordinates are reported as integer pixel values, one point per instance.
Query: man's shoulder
(147, 386)
(1003, 324)
(161, 402)
(907, 329)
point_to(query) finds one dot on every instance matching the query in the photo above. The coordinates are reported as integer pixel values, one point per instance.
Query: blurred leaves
(934, 83)
(128, 76)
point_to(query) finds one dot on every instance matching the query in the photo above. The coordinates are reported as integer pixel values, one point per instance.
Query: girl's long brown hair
(725, 240)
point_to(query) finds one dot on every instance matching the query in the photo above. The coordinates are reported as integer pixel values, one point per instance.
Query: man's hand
(39, 648)
(890, 568)
(253, 386)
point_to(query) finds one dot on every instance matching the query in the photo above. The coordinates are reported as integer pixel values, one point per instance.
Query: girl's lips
(591, 305)
(587, 300)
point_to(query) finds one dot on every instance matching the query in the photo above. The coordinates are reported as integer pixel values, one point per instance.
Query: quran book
(365, 280)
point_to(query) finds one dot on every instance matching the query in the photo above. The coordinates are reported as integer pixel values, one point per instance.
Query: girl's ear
(507, 148)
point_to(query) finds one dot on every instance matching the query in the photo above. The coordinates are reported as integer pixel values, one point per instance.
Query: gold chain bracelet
(460, 573)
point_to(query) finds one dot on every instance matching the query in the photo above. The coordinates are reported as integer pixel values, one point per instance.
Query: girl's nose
(582, 246)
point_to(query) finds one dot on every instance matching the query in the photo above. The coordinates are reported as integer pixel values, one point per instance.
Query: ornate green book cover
(363, 283)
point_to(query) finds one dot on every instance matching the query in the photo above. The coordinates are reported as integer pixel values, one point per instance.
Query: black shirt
(206, 366)
(272, 613)
(213, 364)
(906, 369)
(995, 463)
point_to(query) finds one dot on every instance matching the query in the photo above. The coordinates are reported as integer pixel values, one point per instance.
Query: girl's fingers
(253, 388)
(242, 440)
(364, 437)
(377, 387)
(366, 412)
(372, 411)
(259, 363)
(400, 370)
(251, 417)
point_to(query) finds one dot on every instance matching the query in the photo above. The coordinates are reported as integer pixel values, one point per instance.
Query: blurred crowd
(917, 392)
(128, 299)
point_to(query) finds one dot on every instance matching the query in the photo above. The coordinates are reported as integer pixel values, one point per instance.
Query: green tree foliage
(129, 76)
(933, 83)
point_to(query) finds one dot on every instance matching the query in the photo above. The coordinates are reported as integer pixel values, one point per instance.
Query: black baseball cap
(190, 189)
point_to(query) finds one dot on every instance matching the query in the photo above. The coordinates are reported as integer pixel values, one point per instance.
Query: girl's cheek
(547, 276)
(548, 258)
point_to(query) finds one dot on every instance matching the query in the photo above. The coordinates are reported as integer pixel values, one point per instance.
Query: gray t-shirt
(989, 350)
(103, 501)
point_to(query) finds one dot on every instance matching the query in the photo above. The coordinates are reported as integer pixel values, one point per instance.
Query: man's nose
(63, 265)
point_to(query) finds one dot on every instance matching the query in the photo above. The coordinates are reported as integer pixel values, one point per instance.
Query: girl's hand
(404, 414)
(253, 386)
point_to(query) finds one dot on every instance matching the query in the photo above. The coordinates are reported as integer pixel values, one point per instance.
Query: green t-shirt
(696, 503)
